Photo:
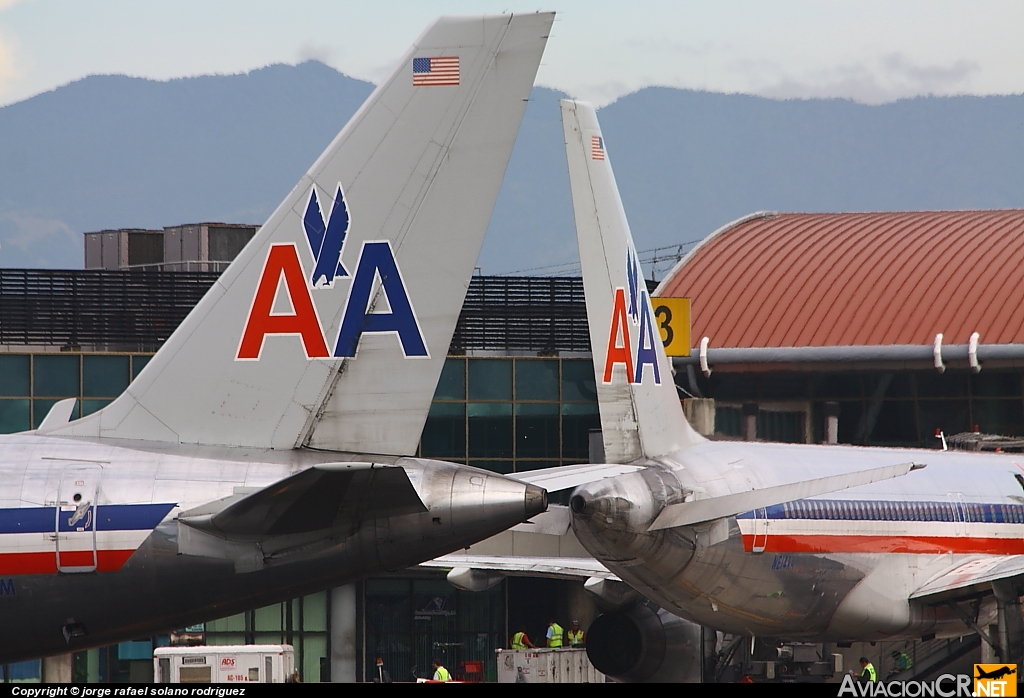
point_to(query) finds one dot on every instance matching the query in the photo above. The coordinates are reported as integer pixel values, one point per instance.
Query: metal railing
(509, 313)
(137, 310)
(189, 265)
(95, 307)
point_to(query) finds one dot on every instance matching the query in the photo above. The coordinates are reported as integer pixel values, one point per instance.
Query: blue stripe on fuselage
(893, 510)
(112, 517)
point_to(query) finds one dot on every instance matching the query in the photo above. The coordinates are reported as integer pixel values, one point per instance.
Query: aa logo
(326, 239)
(632, 320)
(282, 270)
(995, 679)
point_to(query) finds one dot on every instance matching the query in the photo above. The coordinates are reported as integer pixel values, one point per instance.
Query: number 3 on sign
(673, 318)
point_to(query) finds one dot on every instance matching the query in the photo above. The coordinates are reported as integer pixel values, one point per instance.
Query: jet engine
(643, 643)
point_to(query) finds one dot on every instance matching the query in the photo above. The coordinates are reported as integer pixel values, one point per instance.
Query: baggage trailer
(546, 665)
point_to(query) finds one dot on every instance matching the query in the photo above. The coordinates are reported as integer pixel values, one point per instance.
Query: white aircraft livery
(800, 542)
(266, 450)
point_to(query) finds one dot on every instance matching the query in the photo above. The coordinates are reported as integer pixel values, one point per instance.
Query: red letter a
(616, 354)
(282, 260)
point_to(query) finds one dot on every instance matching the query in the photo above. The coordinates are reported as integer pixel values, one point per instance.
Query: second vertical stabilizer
(640, 412)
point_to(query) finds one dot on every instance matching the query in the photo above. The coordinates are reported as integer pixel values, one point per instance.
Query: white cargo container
(546, 665)
(224, 664)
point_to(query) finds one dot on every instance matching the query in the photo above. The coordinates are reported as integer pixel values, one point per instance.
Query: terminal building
(794, 316)
(911, 322)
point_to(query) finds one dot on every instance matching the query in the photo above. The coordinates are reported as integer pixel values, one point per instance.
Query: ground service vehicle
(224, 664)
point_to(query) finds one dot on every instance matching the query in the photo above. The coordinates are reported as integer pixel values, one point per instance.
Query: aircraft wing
(553, 522)
(320, 497)
(565, 476)
(552, 567)
(974, 576)
(711, 508)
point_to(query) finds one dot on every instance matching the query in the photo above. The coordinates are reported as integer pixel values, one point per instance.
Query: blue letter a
(646, 353)
(377, 258)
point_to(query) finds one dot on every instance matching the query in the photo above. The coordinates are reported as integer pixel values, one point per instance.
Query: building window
(490, 379)
(444, 434)
(537, 379)
(510, 415)
(56, 376)
(104, 376)
(14, 375)
(31, 384)
(490, 429)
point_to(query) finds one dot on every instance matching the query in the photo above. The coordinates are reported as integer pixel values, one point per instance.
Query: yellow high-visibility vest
(556, 635)
(518, 641)
(575, 638)
(442, 674)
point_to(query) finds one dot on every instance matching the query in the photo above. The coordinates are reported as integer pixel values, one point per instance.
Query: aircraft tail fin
(641, 415)
(330, 328)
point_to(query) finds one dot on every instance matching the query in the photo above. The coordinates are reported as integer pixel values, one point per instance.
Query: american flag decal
(596, 148)
(443, 70)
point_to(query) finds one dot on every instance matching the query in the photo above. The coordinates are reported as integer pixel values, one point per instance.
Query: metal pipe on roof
(832, 422)
(702, 356)
(937, 354)
(973, 353)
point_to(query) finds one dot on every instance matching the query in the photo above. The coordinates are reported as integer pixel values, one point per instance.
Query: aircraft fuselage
(835, 567)
(91, 545)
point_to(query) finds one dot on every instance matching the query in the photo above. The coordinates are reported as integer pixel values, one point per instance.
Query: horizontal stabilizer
(711, 508)
(322, 497)
(567, 476)
(59, 414)
(551, 567)
(553, 522)
(972, 577)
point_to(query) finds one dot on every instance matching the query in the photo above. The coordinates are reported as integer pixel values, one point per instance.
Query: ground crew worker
(901, 661)
(440, 673)
(867, 670)
(520, 641)
(554, 634)
(576, 635)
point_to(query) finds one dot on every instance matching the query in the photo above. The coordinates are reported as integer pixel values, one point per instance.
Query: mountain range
(112, 151)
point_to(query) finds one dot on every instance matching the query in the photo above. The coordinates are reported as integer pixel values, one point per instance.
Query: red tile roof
(840, 279)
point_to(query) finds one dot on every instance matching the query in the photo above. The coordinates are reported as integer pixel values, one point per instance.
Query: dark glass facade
(512, 414)
(876, 408)
(30, 384)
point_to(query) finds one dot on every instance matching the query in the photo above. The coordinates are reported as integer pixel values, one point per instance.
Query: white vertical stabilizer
(331, 327)
(640, 412)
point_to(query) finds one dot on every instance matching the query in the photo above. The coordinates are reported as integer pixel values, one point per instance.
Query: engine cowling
(645, 644)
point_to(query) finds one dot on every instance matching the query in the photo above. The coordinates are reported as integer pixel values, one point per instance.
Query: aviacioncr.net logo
(995, 679)
(946, 686)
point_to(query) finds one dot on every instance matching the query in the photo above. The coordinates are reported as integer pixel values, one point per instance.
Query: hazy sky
(864, 50)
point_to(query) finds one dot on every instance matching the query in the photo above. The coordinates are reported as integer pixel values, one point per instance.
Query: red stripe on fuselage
(46, 562)
(921, 545)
